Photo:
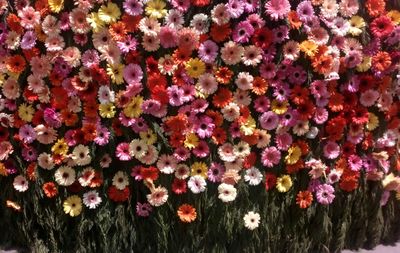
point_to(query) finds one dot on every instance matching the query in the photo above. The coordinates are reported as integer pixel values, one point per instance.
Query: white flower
(197, 184)
(226, 153)
(158, 196)
(86, 176)
(242, 149)
(45, 161)
(105, 95)
(81, 155)
(253, 176)
(120, 180)
(167, 164)
(91, 199)
(138, 148)
(65, 176)
(231, 112)
(251, 220)
(244, 81)
(20, 183)
(200, 23)
(226, 192)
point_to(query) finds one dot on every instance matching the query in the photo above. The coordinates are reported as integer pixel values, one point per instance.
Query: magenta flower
(325, 194)
(270, 157)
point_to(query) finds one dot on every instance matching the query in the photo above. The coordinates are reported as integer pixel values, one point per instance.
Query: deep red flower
(270, 181)
(179, 186)
(149, 173)
(381, 26)
(262, 37)
(118, 195)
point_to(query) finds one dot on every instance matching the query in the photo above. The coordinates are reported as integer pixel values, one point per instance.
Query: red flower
(270, 181)
(250, 160)
(360, 115)
(262, 37)
(118, 195)
(179, 186)
(149, 173)
(50, 189)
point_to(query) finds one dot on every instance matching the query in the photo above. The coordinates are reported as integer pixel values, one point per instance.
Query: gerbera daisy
(158, 196)
(20, 183)
(81, 156)
(226, 192)
(325, 194)
(251, 220)
(73, 205)
(277, 9)
(91, 199)
(187, 213)
(120, 180)
(197, 184)
(253, 176)
(304, 199)
(65, 175)
(284, 183)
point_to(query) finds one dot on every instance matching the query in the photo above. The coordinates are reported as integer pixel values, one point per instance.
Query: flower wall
(141, 125)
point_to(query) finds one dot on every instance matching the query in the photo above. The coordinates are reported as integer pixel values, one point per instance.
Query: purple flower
(29, 153)
(280, 33)
(144, 209)
(102, 137)
(325, 194)
(133, 73)
(204, 127)
(234, 130)
(175, 95)
(139, 125)
(3, 33)
(305, 10)
(201, 150)
(52, 117)
(297, 75)
(208, 51)
(369, 163)
(281, 91)
(151, 106)
(355, 162)
(313, 185)
(28, 40)
(128, 44)
(133, 7)
(27, 133)
(61, 67)
(90, 58)
(269, 120)
(215, 172)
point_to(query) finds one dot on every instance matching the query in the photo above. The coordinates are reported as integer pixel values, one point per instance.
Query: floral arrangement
(148, 101)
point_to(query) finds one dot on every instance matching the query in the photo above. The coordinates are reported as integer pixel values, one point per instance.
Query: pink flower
(270, 157)
(277, 9)
(283, 141)
(331, 150)
(122, 152)
(133, 73)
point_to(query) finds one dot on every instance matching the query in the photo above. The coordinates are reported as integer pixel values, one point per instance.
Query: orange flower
(260, 86)
(216, 117)
(131, 22)
(15, 64)
(220, 33)
(304, 199)
(381, 61)
(69, 118)
(375, 7)
(118, 31)
(223, 75)
(176, 139)
(250, 139)
(50, 189)
(14, 23)
(31, 171)
(222, 98)
(294, 20)
(181, 56)
(187, 213)
(176, 123)
(89, 131)
(322, 64)
(299, 94)
(219, 136)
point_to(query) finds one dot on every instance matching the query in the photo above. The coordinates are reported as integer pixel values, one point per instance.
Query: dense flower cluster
(98, 96)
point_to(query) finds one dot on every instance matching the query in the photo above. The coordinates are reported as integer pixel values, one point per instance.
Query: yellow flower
(293, 155)
(107, 110)
(191, 141)
(56, 5)
(134, 108)
(283, 183)
(2, 79)
(394, 15)
(95, 22)
(356, 25)
(364, 65)
(248, 127)
(310, 48)
(199, 169)
(373, 122)
(25, 112)
(73, 205)
(110, 13)
(195, 67)
(60, 147)
(148, 136)
(279, 107)
(115, 71)
(156, 9)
